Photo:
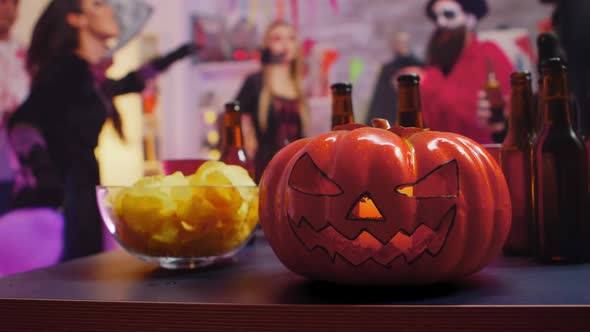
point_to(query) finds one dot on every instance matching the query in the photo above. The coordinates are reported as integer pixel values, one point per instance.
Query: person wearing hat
(55, 131)
(456, 71)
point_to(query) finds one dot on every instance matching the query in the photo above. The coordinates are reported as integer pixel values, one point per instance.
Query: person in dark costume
(384, 100)
(570, 21)
(55, 131)
(273, 101)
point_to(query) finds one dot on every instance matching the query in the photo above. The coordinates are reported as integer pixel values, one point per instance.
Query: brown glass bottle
(232, 147)
(588, 165)
(560, 174)
(493, 90)
(516, 159)
(409, 105)
(342, 110)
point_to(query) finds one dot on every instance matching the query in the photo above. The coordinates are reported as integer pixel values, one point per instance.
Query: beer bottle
(233, 151)
(494, 96)
(409, 106)
(588, 164)
(516, 159)
(342, 104)
(560, 174)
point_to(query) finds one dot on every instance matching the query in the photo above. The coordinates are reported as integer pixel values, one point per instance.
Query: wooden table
(117, 292)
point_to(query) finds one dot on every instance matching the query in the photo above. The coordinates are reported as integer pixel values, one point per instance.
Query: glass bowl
(180, 227)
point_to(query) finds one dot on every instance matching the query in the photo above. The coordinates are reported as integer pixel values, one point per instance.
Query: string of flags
(270, 10)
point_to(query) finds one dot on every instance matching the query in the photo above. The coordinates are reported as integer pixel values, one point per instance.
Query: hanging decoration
(329, 57)
(356, 69)
(307, 47)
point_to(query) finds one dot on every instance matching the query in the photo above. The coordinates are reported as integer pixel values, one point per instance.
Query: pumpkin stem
(380, 123)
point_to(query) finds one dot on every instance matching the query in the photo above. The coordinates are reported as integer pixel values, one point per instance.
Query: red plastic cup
(494, 150)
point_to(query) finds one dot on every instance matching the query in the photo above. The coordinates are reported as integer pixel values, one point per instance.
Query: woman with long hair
(273, 99)
(55, 131)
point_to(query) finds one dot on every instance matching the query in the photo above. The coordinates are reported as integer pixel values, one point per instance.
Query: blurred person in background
(572, 24)
(14, 87)
(384, 100)
(456, 71)
(55, 131)
(273, 101)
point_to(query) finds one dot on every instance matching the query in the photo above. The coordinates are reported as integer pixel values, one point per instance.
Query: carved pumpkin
(384, 206)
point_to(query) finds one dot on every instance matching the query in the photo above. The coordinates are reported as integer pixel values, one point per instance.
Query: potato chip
(145, 209)
(187, 227)
(168, 232)
(115, 199)
(220, 192)
(176, 179)
(200, 176)
(238, 175)
(198, 212)
(149, 181)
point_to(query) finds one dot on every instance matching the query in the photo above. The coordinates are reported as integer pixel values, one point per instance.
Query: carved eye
(441, 182)
(306, 177)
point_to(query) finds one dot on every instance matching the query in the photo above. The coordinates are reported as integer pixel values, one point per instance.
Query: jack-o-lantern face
(371, 205)
(364, 214)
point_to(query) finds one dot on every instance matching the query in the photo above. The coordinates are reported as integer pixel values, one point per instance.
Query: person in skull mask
(457, 69)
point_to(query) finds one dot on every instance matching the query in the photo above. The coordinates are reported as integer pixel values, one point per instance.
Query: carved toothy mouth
(364, 247)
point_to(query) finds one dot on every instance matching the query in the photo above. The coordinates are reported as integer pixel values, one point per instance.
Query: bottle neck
(409, 106)
(233, 139)
(556, 108)
(521, 124)
(342, 110)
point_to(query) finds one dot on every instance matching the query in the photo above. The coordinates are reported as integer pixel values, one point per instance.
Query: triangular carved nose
(365, 209)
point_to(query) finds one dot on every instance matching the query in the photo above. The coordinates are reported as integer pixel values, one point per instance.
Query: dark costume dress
(284, 121)
(573, 27)
(69, 107)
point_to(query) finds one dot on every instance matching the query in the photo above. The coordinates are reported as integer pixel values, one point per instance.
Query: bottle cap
(555, 63)
(408, 79)
(520, 76)
(232, 106)
(341, 88)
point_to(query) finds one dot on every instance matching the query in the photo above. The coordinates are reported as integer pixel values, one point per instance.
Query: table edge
(78, 315)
